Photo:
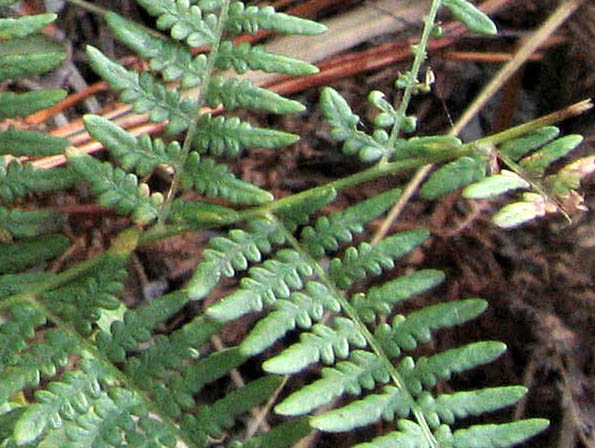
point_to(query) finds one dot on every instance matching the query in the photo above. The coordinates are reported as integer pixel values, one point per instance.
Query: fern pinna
(80, 368)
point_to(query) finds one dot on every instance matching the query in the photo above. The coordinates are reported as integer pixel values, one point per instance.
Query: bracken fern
(80, 368)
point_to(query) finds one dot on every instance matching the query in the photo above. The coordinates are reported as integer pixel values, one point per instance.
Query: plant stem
(420, 56)
(187, 145)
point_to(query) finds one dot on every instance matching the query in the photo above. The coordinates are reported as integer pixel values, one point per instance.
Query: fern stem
(353, 315)
(420, 55)
(192, 128)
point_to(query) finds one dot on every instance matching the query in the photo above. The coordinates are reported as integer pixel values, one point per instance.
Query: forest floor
(538, 279)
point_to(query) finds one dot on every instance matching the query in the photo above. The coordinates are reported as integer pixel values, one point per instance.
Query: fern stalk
(190, 133)
(350, 311)
(420, 56)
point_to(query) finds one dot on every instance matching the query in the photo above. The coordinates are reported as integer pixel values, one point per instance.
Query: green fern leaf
(30, 143)
(495, 185)
(175, 61)
(244, 57)
(184, 20)
(253, 18)
(296, 210)
(406, 332)
(366, 411)
(15, 104)
(234, 93)
(409, 435)
(144, 92)
(115, 188)
(24, 26)
(492, 436)
(472, 17)
(11, 284)
(134, 154)
(212, 420)
(362, 370)
(332, 230)
(344, 123)
(205, 177)
(285, 435)
(43, 359)
(29, 56)
(80, 303)
(300, 309)
(518, 147)
(14, 257)
(452, 176)
(228, 255)
(265, 283)
(228, 136)
(323, 343)
(420, 147)
(201, 213)
(17, 327)
(16, 223)
(538, 162)
(372, 259)
(381, 299)
(447, 408)
(17, 179)
(61, 400)
(428, 371)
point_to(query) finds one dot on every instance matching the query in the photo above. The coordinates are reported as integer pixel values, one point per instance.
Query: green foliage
(27, 56)
(83, 366)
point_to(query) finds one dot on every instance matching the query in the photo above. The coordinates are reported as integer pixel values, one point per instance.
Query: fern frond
(244, 57)
(381, 299)
(473, 18)
(285, 435)
(234, 93)
(19, 143)
(201, 213)
(17, 326)
(536, 164)
(370, 409)
(141, 154)
(446, 408)
(492, 436)
(80, 303)
(184, 20)
(225, 256)
(453, 175)
(519, 147)
(406, 332)
(29, 56)
(426, 372)
(16, 223)
(302, 308)
(24, 26)
(264, 284)
(372, 259)
(228, 136)
(12, 284)
(61, 401)
(142, 90)
(19, 255)
(337, 228)
(410, 434)
(212, 180)
(43, 359)
(254, 18)
(213, 420)
(323, 343)
(297, 210)
(115, 188)
(18, 179)
(15, 104)
(363, 370)
(343, 122)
